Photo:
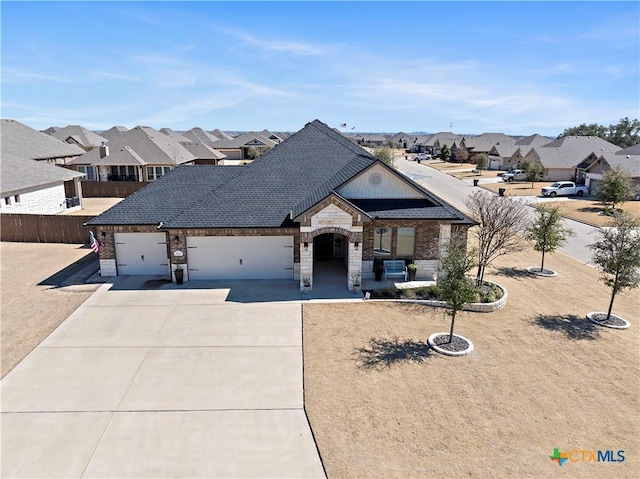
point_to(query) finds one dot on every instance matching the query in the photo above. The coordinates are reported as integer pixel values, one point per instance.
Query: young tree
(384, 154)
(501, 223)
(462, 154)
(457, 288)
(482, 162)
(615, 187)
(547, 231)
(445, 153)
(616, 253)
(533, 169)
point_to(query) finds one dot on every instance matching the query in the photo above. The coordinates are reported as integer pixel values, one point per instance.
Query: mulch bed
(612, 321)
(457, 345)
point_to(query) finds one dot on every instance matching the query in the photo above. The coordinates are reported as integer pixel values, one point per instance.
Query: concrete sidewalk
(166, 382)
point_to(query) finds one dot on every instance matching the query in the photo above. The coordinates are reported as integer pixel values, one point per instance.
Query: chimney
(104, 150)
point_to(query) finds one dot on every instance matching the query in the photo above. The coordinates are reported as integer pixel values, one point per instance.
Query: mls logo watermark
(592, 455)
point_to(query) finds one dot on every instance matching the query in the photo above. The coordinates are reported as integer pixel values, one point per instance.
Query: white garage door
(240, 257)
(141, 253)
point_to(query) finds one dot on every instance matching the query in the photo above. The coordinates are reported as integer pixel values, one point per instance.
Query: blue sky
(513, 67)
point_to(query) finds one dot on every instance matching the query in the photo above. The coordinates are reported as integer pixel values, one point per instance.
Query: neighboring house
(78, 135)
(204, 154)
(238, 151)
(627, 159)
(139, 154)
(114, 132)
(484, 143)
(220, 135)
(275, 137)
(29, 186)
(404, 141)
(564, 159)
(504, 157)
(198, 135)
(24, 142)
(374, 140)
(317, 201)
(434, 143)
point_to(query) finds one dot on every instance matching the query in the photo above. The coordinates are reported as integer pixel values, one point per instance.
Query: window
(90, 171)
(16, 199)
(405, 243)
(155, 172)
(382, 242)
(7, 200)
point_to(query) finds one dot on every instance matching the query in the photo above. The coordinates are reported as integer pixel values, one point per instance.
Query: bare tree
(502, 222)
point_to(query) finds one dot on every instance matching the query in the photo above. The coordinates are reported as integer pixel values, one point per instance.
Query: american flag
(95, 246)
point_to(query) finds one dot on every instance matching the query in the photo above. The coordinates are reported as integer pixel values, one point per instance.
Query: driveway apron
(165, 382)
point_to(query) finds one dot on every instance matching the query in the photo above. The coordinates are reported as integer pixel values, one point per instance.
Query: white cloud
(277, 46)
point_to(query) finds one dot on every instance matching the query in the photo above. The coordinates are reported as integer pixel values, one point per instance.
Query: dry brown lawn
(581, 209)
(590, 211)
(447, 166)
(382, 405)
(30, 312)
(517, 189)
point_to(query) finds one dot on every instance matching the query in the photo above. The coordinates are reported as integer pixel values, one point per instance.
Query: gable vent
(375, 179)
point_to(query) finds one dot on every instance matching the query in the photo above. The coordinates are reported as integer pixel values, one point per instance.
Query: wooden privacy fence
(107, 189)
(44, 228)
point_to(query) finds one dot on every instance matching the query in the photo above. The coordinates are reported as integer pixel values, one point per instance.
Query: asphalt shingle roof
(24, 142)
(290, 178)
(153, 147)
(485, 141)
(114, 132)
(569, 151)
(22, 173)
(80, 134)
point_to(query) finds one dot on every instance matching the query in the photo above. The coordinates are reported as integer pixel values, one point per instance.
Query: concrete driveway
(166, 382)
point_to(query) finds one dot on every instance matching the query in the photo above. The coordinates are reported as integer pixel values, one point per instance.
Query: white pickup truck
(514, 175)
(422, 156)
(564, 188)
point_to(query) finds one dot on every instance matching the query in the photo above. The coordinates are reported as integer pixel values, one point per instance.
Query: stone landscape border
(590, 317)
(546, 273)
(435, 347)
(473, 307)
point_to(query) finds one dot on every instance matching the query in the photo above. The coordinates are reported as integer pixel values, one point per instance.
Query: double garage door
(209, 257)
(240, 257)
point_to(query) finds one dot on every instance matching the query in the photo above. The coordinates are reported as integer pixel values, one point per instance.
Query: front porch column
(306, 262)
(78, 185)
(444, 239)
(354, 264)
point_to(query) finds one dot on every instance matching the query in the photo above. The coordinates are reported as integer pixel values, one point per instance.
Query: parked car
(515, 175)
(564, 188)
(422, 156)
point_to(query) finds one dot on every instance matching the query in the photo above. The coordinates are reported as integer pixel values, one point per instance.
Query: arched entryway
(330, 256)
(330, 260)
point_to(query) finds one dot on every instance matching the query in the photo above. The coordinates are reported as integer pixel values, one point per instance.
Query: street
(454, 191)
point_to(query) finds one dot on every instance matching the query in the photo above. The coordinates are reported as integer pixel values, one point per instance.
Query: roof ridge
(330, 132)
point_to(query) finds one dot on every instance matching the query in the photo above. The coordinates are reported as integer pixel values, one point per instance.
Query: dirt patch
(542, 376)
(31, 310)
